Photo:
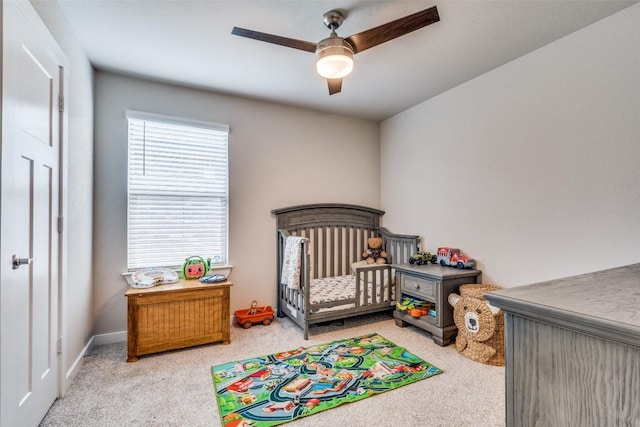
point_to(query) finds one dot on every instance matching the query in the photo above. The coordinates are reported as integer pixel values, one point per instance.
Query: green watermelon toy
(195, 267)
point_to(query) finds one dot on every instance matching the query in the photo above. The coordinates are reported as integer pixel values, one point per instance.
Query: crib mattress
(340, 288)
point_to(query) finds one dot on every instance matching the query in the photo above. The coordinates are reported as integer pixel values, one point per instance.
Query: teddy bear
(476, 324)
(374, 252)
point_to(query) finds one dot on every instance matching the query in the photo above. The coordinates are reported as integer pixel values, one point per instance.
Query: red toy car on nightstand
(454, 258)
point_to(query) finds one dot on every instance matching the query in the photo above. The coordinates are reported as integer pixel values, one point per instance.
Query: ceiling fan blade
(335, 86)
(393, 29)
(270, 38)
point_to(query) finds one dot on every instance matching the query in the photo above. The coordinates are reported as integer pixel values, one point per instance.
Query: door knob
(17, 261)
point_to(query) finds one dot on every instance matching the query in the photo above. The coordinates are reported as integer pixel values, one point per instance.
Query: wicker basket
(477, 290)
(497, 339)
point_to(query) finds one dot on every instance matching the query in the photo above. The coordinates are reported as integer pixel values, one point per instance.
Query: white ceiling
(190, 43)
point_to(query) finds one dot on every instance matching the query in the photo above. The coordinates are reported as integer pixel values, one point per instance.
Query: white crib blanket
(342, 288)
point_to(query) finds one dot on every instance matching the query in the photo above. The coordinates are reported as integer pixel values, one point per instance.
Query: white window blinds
(178, 191)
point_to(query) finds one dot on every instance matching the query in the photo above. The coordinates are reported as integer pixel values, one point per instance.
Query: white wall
(532, 168)
(78, 321)
(279, 156)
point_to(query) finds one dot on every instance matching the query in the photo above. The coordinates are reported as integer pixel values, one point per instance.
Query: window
(178, 191)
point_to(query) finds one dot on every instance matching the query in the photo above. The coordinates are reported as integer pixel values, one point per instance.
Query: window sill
(218, 269)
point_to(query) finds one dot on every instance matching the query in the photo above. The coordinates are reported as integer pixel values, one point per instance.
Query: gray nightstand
(432, 283)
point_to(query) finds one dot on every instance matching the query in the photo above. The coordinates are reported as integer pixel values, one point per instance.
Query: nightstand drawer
(418, 286)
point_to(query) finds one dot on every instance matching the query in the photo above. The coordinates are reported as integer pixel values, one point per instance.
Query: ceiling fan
(334, 55)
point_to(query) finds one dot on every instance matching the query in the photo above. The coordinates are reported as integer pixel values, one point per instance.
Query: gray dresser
(572, 350)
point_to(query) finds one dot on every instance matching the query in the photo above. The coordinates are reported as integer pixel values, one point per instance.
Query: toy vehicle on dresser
(454, 258)
(421, 258)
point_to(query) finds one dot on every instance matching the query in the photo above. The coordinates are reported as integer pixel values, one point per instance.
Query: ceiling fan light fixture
(334, 58)
(334, 55)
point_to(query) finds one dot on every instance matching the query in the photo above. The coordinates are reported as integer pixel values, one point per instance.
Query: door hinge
(61, 103)
(60, 222)
(59, 346)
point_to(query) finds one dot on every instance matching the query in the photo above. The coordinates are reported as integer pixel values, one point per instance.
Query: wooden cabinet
(177, 315)
(432, 283)
(572, 350)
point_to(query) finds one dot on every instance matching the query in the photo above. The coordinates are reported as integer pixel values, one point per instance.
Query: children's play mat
(277, 388)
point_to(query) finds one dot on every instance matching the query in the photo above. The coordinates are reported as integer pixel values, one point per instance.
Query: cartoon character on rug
(374, 253)
(476, 324)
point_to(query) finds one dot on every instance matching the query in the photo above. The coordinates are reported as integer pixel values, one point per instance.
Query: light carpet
(174, 388)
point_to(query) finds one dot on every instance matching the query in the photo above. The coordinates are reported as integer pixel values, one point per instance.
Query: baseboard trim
(99, 339)
(75, 366)
(109, 338)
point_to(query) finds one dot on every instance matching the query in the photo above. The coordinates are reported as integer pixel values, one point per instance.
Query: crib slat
(353, 242)
(316, 266)
(332, 251)
(339, 259)
(359, 289)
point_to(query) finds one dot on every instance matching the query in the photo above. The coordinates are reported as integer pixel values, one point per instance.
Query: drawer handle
(417, 286)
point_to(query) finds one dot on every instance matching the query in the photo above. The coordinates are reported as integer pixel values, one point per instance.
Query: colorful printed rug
(278, 388)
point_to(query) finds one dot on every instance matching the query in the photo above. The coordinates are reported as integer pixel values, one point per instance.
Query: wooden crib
(335, 282)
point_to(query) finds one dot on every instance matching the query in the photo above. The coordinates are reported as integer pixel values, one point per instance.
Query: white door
(29, 212)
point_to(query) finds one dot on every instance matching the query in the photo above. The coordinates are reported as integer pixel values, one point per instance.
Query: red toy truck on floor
(454, 258)
(246, 318)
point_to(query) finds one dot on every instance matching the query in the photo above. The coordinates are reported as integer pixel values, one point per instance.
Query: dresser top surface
(609, 296)
(180, 285)
(436, 270)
